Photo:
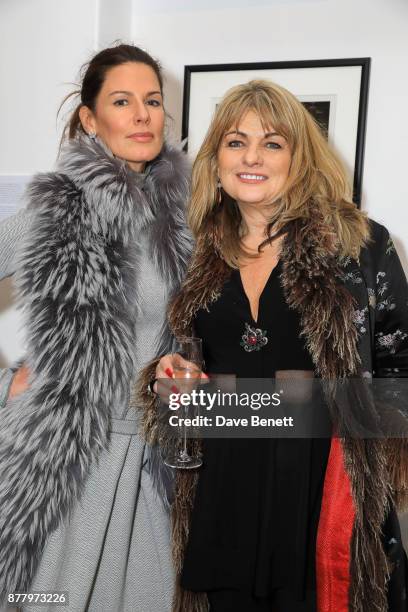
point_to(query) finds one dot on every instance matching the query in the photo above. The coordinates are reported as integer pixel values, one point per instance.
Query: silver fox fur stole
(77, 282)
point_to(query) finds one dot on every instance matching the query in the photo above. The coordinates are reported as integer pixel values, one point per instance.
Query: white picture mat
(339, 83)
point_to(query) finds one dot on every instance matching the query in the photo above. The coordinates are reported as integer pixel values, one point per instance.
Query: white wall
(42, 45)
(297, 30)
(114, 21)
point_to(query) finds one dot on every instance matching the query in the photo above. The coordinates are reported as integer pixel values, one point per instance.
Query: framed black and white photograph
(334, 91)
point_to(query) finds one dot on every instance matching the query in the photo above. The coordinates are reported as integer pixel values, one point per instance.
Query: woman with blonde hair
(288, 280)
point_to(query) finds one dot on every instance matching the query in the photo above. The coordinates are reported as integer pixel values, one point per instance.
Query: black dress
(254, 524)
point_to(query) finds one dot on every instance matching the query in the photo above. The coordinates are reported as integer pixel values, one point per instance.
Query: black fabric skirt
(253, 530)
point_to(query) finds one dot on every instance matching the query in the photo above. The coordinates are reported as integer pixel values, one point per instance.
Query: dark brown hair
(93, 76)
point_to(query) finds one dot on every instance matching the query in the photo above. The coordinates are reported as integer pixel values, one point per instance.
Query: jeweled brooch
(253, 339)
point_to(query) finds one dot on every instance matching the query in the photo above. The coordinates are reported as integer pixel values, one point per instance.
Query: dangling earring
(92, 135)
(219, 192)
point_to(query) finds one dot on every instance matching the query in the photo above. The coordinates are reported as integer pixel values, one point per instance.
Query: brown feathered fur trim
(312, 282)
(186, 483)
(365, 462)
(142, 397)
(205, 278)
(397, 462)
(187, 601)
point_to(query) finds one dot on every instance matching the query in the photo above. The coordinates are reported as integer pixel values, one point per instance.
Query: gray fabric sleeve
(12, 232)
(6, 377)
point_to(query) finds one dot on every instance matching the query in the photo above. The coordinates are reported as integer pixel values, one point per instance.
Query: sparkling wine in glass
(187, 371)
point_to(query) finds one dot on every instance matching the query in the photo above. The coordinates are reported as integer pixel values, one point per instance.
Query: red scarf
(333, 545)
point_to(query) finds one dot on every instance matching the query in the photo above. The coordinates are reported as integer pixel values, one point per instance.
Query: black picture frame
(353, 114)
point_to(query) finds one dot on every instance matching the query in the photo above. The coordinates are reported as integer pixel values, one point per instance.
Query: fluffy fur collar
(78, 284)
(313, 282)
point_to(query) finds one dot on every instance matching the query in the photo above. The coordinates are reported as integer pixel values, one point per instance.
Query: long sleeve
(6, 376)
(391, 311)
(12, 232)
(389, 299)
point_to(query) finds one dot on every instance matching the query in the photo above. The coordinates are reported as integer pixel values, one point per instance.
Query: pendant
(253, 339)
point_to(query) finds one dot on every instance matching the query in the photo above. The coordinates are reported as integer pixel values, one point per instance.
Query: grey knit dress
(113, 554)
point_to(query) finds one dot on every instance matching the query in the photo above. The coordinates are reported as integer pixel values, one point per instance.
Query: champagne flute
(187, 372)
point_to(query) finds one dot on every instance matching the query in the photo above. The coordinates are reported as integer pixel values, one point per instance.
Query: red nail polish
(174, 389)
(169, 372)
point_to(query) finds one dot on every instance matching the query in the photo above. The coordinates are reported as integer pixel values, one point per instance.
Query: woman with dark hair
(96, 253)
(288, 280)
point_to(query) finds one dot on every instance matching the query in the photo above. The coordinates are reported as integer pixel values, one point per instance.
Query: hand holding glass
(187, 367)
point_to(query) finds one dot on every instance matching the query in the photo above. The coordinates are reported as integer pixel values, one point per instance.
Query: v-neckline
(244, 293)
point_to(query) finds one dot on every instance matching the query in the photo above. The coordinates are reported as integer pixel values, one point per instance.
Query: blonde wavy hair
(316, 183)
